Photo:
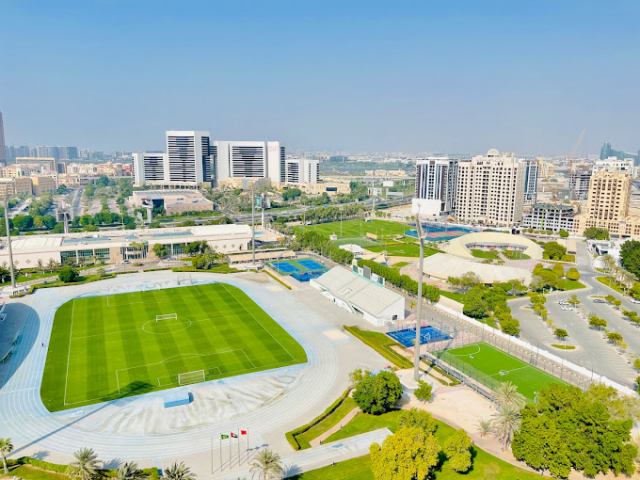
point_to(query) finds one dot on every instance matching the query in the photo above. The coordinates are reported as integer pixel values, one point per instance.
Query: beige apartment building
(608, 205)
(491, 189)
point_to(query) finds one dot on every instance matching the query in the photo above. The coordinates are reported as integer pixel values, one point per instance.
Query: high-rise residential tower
(3, 145)
(243, 159)
(491, 189)
(436, 179)
(531, 182)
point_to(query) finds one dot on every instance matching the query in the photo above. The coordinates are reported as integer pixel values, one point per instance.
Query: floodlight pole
(416, 367)
(253, 227)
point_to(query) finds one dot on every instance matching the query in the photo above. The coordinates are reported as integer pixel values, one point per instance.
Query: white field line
(66, 378)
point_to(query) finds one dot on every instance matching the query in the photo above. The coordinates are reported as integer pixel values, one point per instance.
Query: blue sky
(412, 76)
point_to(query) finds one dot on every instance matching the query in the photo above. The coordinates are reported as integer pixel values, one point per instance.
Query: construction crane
(552, 188)
(570, 156)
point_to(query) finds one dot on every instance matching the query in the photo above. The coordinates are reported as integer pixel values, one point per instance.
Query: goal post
(167, 316)
(191, 377)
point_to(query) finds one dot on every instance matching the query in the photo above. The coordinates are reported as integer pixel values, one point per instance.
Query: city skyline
(460, 77)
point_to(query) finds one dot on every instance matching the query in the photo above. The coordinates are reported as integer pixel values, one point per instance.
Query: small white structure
(354, 293)
(353, 248)
(443, 266)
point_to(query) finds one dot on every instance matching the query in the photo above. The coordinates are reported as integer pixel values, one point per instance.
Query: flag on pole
(243, 432)
(224, 437)
(233, 435)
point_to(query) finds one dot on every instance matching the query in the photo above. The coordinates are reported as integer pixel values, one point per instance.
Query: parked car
(598, 300)
(564, 307)
(635, 300)
(563, 302)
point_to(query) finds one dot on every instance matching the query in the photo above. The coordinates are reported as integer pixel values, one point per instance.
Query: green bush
(378, 394)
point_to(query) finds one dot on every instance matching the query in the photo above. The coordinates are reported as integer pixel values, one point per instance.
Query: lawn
(314, 432)
(359, 228)
(402, 249)
(399, 265)
(382, 344)
(30, 472)
(457, 296)
(488, 254)
(485, 466)
(566, 285)
(611, 282)
(107, 347)
(492, 366)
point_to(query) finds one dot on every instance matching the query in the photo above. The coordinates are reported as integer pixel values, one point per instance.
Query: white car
(566, 308)
(563, 302)
(635, 300)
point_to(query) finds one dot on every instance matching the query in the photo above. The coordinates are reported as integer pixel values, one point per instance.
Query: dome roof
(493, 153)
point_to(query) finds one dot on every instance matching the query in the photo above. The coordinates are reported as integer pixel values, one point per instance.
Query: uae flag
(233, 435)
(243, 432)
(224, 437)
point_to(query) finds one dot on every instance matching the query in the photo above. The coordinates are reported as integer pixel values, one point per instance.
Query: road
(593, 350)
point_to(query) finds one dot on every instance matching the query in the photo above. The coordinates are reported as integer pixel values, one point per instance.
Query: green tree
(68, 274)
(635, 290)
(573, 274)
(510, 326)
(409, 454)
(507, 394)
(101, 272)
(630, 256)
(560, 333)
(6, 447)
(424, 391)
(267, 465)
(506, 423)
(614, 337)
(458, 449)
(377, 394)
(468, 280)
(129, 471)
(415, 418)
(593, 233)
(85, 464)
(179, 471)
(357, 376)
(554, 251)
(597, 322)
(563, 233)
(160, 250)
(558, 270)
(573, 300)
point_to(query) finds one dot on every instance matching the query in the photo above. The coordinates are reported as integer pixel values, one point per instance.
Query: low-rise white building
(120, 245)
(355, 293)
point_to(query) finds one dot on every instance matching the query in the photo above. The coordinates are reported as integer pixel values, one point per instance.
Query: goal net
(184, 279)
(191, 377)
(167, 316)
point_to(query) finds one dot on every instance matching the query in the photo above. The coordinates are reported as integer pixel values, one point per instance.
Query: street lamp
(416, 367)
(6, 190)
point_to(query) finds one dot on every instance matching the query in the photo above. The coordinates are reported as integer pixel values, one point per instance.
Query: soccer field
(107, 347)
(499, 367)
(359, 228)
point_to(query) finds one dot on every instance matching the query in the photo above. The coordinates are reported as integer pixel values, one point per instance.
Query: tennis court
(428, 334)
(440, 233)
(302, 268)
(491, 366)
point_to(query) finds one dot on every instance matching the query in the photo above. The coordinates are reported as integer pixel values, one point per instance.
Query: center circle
(163, 327)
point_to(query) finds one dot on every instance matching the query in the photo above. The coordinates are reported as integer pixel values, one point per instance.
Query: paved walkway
(318, 457)
(318, 441)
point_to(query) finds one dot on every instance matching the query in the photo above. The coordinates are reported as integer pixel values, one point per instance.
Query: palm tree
(6, 447)
(85, 465)
(484, 426)
(267, 465)
(179, 471)
(507, 394)
(506, 423)
(129, 471)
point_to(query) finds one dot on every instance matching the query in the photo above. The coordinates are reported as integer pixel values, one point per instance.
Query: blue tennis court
(306, 276)
(311, 265)
(285, 267)
(428, 334)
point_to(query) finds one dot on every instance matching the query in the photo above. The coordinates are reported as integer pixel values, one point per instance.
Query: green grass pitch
(107, 347)
(359, 228)
(491, 361)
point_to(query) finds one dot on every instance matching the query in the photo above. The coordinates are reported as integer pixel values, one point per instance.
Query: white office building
(491, 189)
(302, 170)
(548, 216)
(436, 179)
(612, 164)
(187, 163)
(243, 159)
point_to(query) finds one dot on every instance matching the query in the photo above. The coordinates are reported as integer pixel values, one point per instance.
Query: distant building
(579, 181)
(339, 158)
(491, 189)
(173, 201)
(46, 164)
(3, 145)
(606, 152)
(531, 182)
(436, 180)
(250, 159)
(302, 170)
(546, 216)
(612, 164)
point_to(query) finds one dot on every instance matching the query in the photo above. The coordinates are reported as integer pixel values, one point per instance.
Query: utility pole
(416, 367)
(7, 190)
(253, 226)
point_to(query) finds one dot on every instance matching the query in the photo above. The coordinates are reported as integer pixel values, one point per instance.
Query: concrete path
(318, 457)
(318, 441)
